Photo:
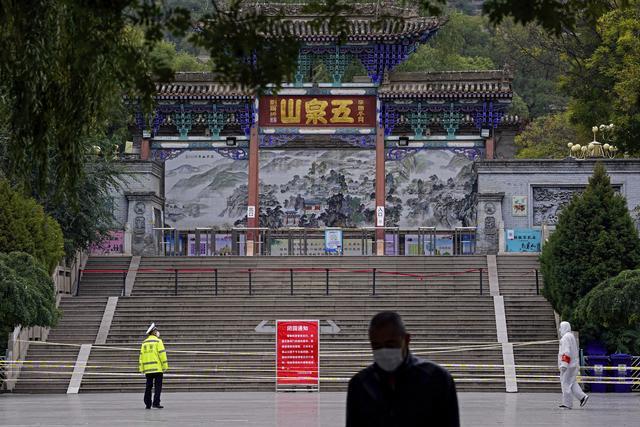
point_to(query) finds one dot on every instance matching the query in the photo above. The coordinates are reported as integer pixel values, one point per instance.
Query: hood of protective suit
(565, 327)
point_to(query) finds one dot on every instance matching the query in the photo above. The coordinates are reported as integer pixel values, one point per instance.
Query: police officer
(153, 363)
(398, 389)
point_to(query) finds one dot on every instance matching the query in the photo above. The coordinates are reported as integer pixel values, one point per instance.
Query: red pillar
(145, 149)
(253, 202)
(380, 191)
(490, 147)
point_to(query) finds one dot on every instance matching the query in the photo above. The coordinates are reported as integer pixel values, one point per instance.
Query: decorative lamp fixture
(231, 141)
(595, 149)
(403, 141)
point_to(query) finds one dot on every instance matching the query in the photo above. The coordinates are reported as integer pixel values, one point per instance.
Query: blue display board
(333, 241)
(523, 240)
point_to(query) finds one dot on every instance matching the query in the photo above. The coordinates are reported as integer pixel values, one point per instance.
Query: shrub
(611, 313)
(595, 239)
(24, 227)
(27, 294)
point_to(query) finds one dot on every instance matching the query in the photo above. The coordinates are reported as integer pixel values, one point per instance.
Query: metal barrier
(635, 373)
(304, 241)
(290, 274)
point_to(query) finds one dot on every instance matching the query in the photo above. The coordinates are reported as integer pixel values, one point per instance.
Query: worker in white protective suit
(569, 364)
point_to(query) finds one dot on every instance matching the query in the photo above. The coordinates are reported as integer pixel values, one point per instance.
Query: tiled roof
(363, 30)
(199, 86)
(448, 85)
(495, 84)
(397, 21)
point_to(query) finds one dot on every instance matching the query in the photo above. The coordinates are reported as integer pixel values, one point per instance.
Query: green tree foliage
(555, 16)
(595, 239)
(462, 44)
(536, 68)
(547, 137)
(58, 81)
(611, 313)
(165, 53)
(54, 81)
(27, 294)
(604, 80)
(472, 43)
(26, 228)
(91, 220)
(83, 220)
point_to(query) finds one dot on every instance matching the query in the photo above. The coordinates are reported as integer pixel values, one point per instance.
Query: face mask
(389, 359)
(157, 334)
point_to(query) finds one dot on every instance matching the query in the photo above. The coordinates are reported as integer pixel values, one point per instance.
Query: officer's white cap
(151, 328)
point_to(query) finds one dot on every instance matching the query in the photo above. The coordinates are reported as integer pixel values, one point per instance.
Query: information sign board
(333, 241)
(317, 111)
(523, 240)
(297, 353)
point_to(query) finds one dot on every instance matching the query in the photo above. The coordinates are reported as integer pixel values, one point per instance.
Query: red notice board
(297, 353)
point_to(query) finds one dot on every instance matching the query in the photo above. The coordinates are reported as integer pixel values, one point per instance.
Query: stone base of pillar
(250, 247)
(379, 247)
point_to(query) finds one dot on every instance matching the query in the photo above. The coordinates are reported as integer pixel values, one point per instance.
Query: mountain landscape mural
(315, 188)
(320, 188)
(197, 186)
(430, 188)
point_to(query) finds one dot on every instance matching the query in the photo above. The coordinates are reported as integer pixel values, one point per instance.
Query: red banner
(318, 111)
(297, 348)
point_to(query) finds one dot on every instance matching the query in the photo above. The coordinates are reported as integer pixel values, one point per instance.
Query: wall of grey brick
(518, 177)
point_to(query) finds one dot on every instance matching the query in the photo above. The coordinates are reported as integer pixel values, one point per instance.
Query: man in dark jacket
(399, 389)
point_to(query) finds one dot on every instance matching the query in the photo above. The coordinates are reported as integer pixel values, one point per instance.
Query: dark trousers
(151, 379)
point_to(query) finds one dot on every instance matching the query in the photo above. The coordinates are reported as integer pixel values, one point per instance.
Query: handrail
(249, 273)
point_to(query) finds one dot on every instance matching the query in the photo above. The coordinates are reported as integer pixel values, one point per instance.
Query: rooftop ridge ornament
(595, 149)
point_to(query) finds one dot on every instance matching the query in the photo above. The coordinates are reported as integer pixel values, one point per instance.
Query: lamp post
(595, 149)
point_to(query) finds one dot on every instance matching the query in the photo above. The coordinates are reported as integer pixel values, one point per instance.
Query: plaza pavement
(299, 410)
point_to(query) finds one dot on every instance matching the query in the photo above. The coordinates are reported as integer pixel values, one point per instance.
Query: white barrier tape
(352, 353)
(485, 378)
(54, 363)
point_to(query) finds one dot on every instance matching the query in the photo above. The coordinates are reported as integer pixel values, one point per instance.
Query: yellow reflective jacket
(153, 357)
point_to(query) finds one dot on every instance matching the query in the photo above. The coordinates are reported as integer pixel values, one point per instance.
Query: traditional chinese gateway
(387, 153)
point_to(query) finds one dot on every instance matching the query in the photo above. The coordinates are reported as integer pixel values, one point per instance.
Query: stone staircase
(212, 341)
(516, 274)
(348, 276)
(213, 346)
(48, 367)
(530, 318)
(104, 283)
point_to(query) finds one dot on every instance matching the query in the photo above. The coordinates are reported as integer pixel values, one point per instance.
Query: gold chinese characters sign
(318, 111)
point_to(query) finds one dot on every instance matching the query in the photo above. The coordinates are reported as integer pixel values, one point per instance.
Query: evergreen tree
(609, 313)
(595, 239)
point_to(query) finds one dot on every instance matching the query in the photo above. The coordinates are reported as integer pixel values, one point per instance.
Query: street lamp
(595, 149)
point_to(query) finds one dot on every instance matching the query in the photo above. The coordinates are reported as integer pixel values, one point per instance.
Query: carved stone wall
(489, 222)
(549, 201)
(549, 185)
(143, 218)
